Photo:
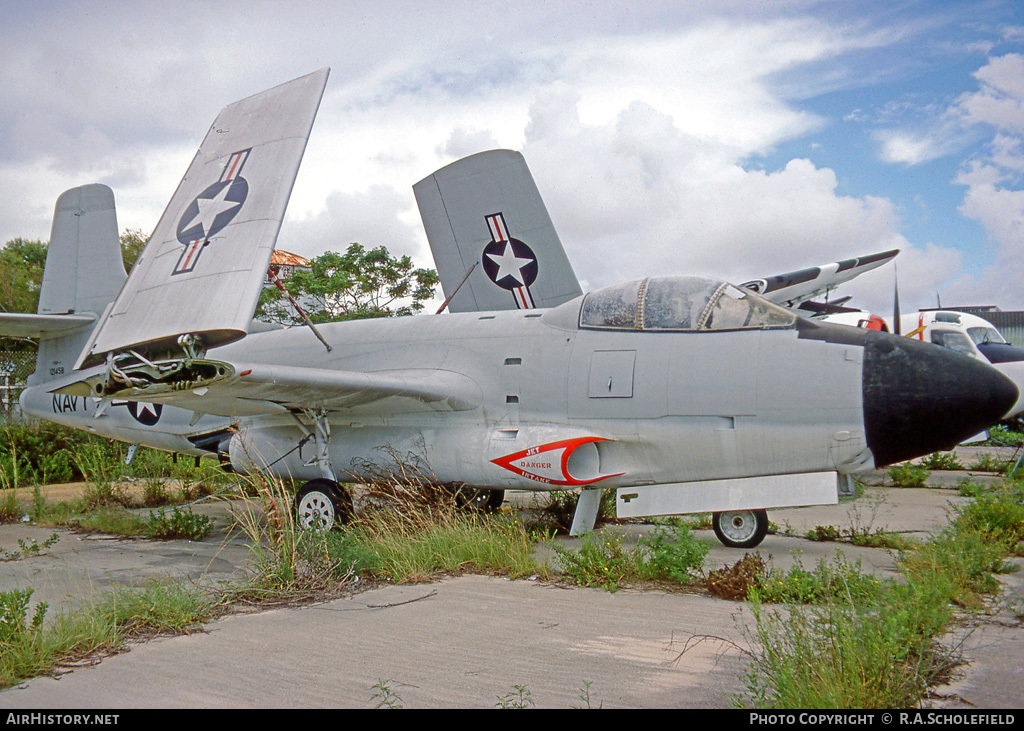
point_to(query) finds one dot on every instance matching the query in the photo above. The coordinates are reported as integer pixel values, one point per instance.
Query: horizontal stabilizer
(493, 242)
(17, 325)
(792, 288)
(203, 269)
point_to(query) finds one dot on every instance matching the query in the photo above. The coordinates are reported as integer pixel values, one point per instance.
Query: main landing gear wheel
(479, 499)
(740, 528)
(322, 505)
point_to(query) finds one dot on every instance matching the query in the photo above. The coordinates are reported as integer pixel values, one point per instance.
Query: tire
(322, 505)
(479, 499)
(496, 499)
(740, 528)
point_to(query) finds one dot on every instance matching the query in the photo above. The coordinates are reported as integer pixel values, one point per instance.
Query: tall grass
(33, 647)
(387, 547)
(842, 653)
(877, 646)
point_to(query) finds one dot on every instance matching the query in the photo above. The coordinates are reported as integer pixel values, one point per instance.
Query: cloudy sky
(730, 138)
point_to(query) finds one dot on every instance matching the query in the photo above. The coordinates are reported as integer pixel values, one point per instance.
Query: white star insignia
(210, 208)
(146, 408)
(509, 264)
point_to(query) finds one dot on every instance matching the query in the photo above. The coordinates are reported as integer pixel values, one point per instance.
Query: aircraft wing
(202, 271)
(793, 288)
(494, 245)
(239, 389)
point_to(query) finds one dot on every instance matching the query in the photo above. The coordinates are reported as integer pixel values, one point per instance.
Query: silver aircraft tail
(84, 272)
(493, 241)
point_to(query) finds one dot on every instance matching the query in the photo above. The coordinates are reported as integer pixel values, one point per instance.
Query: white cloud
(908, 149)
(639, 125)
(638, 196)
(990, 198)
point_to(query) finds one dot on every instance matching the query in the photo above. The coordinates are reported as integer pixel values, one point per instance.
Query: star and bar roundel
(211, 211)
(509, 263)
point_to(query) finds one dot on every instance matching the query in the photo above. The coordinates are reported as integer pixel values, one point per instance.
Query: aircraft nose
(920, 398)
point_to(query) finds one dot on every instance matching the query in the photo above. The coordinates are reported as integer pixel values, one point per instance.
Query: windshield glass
(680, 304)
(612, 307)
(981, 335)
(734, 309)
(672, 303)
(953, 340)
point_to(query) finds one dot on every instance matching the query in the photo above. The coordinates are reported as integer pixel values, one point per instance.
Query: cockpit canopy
(682, 303)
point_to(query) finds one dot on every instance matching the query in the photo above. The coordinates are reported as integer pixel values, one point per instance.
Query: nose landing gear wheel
(740, 528)
(322, 505)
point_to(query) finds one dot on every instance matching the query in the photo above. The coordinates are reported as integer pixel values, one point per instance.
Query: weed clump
(850, 653)
(941, 461)
(870, 644)
(166, 526)
(21, 639)
(909, 475)
(672, 553)
(736, 582)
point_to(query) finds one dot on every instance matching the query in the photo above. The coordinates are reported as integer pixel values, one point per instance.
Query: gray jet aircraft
(678, 391)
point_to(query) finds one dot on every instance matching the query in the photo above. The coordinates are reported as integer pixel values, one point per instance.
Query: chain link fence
(15, 368)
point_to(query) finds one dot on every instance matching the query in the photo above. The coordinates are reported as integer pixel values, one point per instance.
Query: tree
(355, 285)
(133, 241)
(22, 264)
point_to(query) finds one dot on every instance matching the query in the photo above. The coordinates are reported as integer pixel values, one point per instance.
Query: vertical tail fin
(84, 269)
(84, 272)
(485, 209)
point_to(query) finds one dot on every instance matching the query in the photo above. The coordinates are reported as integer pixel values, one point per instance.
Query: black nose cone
(920, 398)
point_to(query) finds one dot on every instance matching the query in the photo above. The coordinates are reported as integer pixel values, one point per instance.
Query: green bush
(675, 553)
(996, 515)
(1002, 436)
(963, 560)
(23, 647)
(601, 560)
(941, 461)
(177, 523)
(826, 581)
(909, 475)
(14, 624)
(985, 462)
(871, 652)
(824, 533)
(40, 454)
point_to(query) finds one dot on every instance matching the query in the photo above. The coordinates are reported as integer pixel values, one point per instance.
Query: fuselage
(666, 407)
(557, 399)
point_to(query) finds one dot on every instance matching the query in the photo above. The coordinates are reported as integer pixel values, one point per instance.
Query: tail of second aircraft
(84, 272)
(493, 241)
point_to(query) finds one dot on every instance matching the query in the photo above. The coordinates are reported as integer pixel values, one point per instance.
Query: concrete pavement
(466, 641)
